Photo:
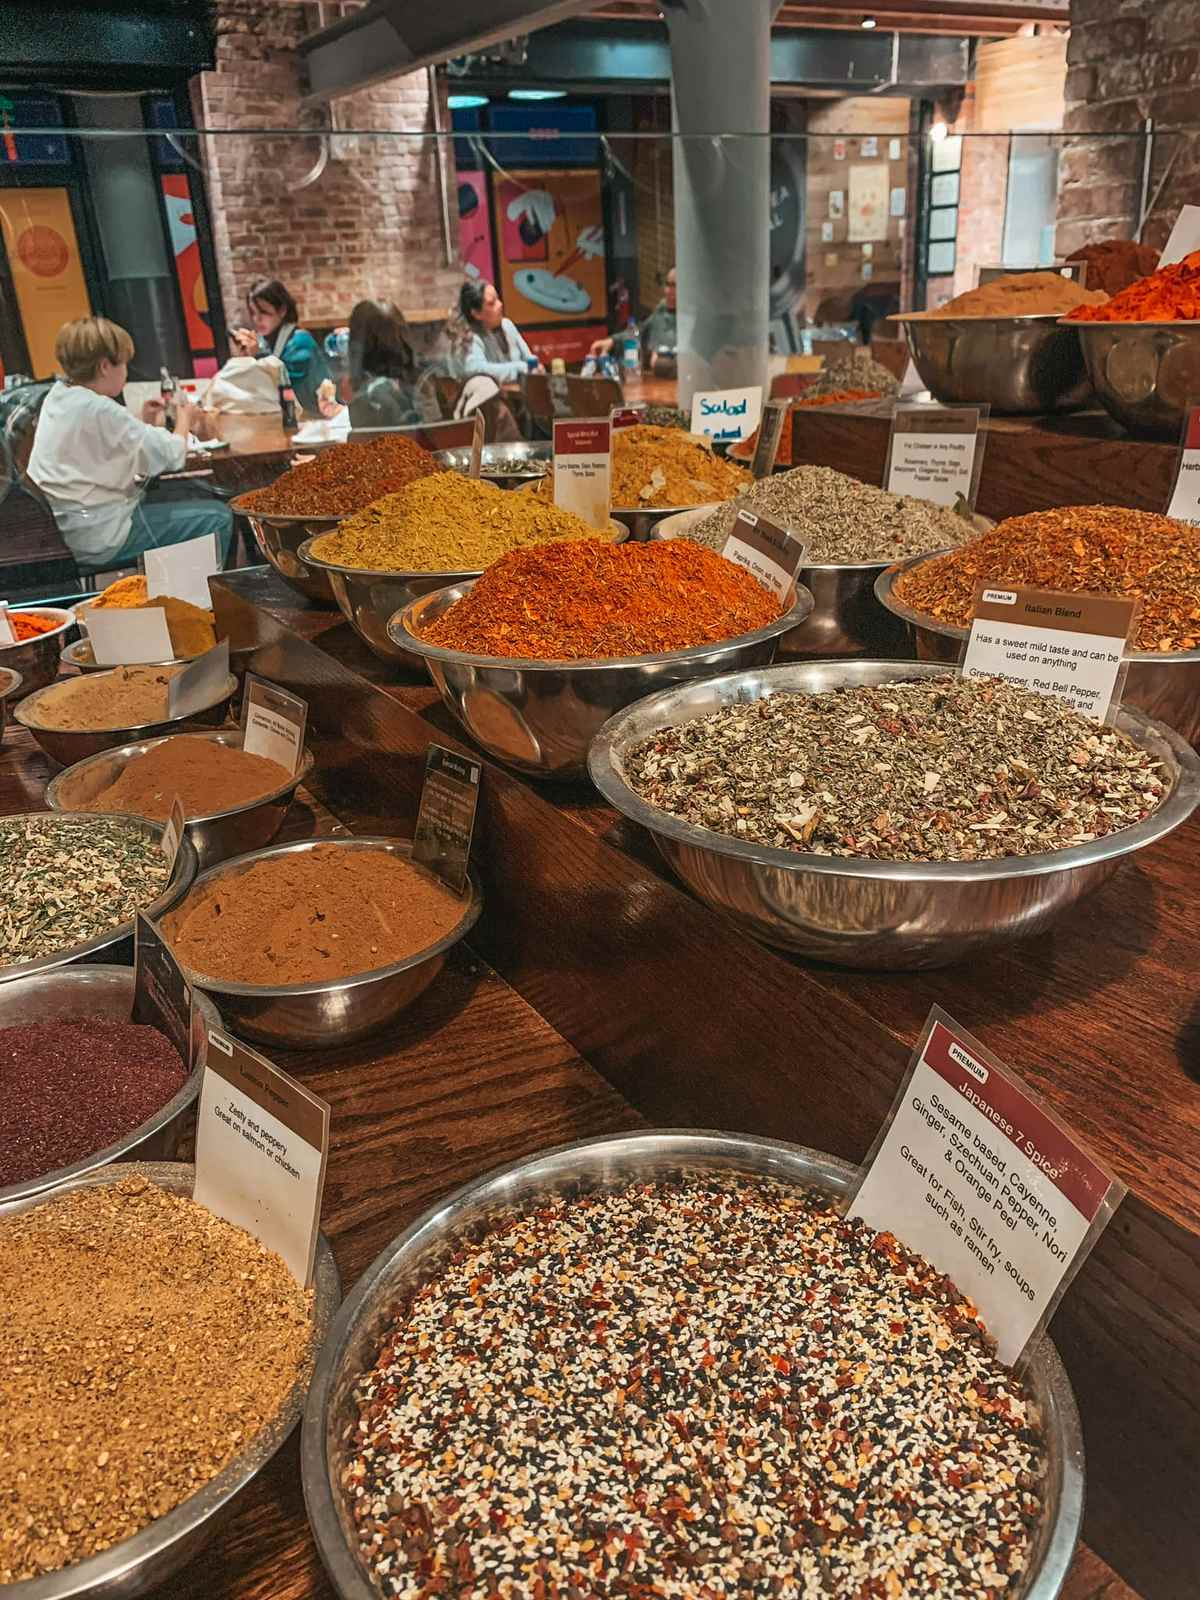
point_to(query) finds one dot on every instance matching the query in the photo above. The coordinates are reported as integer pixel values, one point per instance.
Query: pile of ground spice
(63, 882)
(446, 523)
(344, 478)
(208, 777)
(1113, 264)
(1019, 294)
(939, 769)
(665, 467)
(1106, 549)
(144, 1344)
(1172, 294)
(68, 1089)
(593, 601)
(715, 1387)
(841, 520)
(126, 697)
(310, 916)
(31, 625)
(192, 628)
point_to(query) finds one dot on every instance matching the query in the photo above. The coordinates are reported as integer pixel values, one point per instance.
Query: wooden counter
(696, 1024)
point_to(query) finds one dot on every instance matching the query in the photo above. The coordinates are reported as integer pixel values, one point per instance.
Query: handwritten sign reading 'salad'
(1068, 646)
(978, 1176)
(726, 415)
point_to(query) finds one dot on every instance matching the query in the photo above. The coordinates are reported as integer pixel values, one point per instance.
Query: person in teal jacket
(274, 331)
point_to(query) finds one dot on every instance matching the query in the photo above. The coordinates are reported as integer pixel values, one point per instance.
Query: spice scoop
(888, 915)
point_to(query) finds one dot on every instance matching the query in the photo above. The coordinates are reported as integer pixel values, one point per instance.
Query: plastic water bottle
(630, 346)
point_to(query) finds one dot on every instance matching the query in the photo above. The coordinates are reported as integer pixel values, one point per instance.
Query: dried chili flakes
(1106, 549)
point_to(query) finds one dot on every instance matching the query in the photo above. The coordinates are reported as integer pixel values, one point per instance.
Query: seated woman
(488, 341)
(275, 331)
(88, 453)
(387, 389)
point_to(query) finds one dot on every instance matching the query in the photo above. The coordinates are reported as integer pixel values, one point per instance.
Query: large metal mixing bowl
(509, 465)
(69, 994)
(846, 618)
(369, 599)
(217, 835)
(419, 1253)
(146, 1561)
(37, 659)
(81, 656)
(69, 745)
(541, 716)
(1164, 686)
(279, 538)
(338, 1011)
(1023, 366)
(893, 916)
(114, 944)
(1146, 374)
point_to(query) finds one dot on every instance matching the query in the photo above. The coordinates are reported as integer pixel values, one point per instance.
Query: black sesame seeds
(713, 1388)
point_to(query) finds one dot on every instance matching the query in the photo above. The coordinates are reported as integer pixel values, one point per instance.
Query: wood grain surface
(697, 1024)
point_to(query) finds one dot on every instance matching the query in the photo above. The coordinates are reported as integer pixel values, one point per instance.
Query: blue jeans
(172, 515)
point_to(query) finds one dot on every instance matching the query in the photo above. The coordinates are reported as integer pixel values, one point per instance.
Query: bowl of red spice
(537, 654)
(676, 1367)
(84, 1085)
(40, 632)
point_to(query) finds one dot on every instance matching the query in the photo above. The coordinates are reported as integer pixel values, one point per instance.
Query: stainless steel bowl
(419, 1253)
(279, 538)
(509, 465)
(69, 745)
(78, 993)
(1023, 366)
(1146, 374)
(37, 659)
(892, 916)
(541, 716)
(369, 599)
(846, 618)
(642, 520)
(217, 835)
(143, 1563)
(1164, 686)
(80, 656)
(115, 944)
(307, 1016)
(10, 689)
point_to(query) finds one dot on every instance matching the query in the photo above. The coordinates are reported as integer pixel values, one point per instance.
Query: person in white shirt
(89, 452)
(491, 342)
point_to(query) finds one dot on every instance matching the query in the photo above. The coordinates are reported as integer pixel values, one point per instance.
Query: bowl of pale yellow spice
(436, 531)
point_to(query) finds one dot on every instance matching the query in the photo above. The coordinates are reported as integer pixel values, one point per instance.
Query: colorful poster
(551, 246)
(43, 257)
(475, 227)
(189, 273)
(867, 213)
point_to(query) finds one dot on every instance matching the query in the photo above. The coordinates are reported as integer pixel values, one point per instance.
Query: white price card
(200, 684)
(934, 453)
(1183, 238)
(726, 415)
(262, 1141)
(1069, 646)
(1185, 496)
(583, 467)
(273, 723)
(122, 638)
(7, 636)
(768, 552)
(183, 570)
(975, 1173)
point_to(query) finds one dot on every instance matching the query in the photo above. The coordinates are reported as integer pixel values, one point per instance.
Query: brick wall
(834, 268)
(368, 227)
(1126, 60)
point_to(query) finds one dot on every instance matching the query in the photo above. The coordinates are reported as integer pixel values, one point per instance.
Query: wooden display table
(695, 1024)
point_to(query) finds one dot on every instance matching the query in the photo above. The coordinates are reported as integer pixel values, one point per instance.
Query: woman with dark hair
(489, 341)
(386, 390)
(274, 331)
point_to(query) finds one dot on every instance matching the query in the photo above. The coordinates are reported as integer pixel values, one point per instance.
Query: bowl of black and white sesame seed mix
(666, 1364)
(889, 815)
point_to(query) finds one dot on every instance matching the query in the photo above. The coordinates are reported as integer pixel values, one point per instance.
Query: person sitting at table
(89, 452)
(275, 331)
(488, 341)
(388, 388)
(657, 332)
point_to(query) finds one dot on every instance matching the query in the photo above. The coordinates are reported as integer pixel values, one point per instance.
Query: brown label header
(935, 419)
(1111, 616)
(270, 1089)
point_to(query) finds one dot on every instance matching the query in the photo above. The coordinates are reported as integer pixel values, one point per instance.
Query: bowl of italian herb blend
(73, 884)
(171, 1380)
(890, 815)
(664, 1408)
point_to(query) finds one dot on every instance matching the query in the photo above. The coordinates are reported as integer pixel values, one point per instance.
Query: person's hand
(328, 408)
(243, 342)
(185, 412)
(154, 412)
(601, 347)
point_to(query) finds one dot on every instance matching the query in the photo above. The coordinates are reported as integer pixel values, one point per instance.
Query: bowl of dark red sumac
(632, 1366)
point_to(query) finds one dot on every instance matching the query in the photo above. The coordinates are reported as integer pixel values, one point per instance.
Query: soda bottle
(287, 407)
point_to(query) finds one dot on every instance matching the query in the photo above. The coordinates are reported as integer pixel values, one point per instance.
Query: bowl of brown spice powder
(473, 1401)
